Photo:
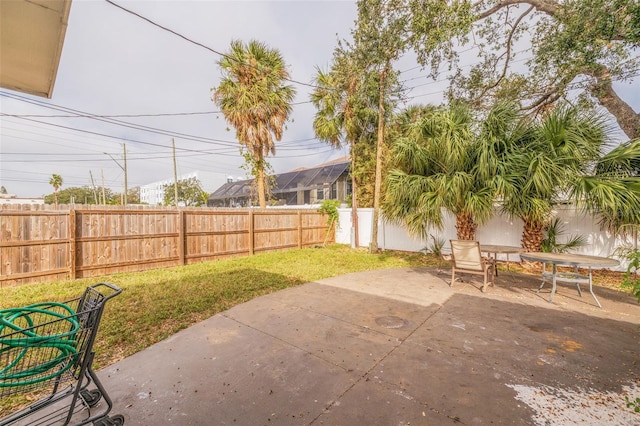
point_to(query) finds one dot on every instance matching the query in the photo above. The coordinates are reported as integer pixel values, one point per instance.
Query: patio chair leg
(493, 273)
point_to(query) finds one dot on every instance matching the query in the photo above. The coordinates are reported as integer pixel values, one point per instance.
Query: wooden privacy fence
(48, 245)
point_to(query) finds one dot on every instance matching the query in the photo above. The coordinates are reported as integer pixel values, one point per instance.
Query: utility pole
(126, 189)
(104, 196)
(124, 169)
(175, 172)
(93, 186)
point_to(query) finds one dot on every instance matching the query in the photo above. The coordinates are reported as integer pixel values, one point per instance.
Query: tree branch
(548, 97)
(602, 90)
(551, 95)
(507, 53)
(548, 7)
(544, 104)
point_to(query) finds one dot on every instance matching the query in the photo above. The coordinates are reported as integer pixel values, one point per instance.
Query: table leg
(591, 289)
(575, 271)
(544, 277)
(553, 287)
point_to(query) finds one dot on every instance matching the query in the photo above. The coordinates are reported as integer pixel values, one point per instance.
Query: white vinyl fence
(500, 230)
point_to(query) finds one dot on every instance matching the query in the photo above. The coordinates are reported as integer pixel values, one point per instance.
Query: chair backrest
(466, 255)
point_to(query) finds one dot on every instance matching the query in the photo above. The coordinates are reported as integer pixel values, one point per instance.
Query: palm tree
(344, 115)
(56, 182)
(436, 168)
(255, 101)
(612, 190)
(544, 165)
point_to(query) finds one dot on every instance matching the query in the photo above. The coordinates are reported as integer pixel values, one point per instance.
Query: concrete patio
(394, 347)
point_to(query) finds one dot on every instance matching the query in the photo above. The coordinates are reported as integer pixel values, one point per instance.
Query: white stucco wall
(499, 230)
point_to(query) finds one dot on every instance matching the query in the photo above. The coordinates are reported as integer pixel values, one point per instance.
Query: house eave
(31, 39)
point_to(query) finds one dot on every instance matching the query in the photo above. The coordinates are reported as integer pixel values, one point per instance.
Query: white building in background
(153, 193)
(13, 199)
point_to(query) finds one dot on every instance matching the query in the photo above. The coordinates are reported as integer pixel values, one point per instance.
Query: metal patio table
(566, 259)
(496, 249)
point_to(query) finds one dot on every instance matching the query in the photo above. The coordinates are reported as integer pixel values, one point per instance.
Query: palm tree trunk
(532, 235)
(465, 227)
(261, 196)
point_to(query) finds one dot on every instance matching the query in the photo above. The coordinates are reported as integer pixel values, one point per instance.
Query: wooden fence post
(182, 238)
(299, 229)
(72, 244)
(251, 233)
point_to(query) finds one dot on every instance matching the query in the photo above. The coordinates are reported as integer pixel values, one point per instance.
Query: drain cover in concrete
(391, 322)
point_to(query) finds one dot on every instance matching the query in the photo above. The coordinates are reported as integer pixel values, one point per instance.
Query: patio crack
(366, 373)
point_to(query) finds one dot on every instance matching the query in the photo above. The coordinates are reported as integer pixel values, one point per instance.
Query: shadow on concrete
(389, 347)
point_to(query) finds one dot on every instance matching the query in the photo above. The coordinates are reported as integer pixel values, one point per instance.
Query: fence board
(33, 244)
(46, 243)
(122, 241)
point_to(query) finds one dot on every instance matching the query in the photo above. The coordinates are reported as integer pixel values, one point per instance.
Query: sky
(134, 74)
(114, 63)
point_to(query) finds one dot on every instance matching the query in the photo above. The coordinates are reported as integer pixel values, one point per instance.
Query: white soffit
(31, 38)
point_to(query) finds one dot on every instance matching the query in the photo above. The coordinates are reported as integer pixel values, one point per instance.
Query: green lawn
(156, 304)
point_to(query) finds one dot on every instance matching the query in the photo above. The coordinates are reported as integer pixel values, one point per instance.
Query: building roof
(232, 190)
(296, 180)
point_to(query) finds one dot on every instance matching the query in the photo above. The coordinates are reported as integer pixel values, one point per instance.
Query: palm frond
(622, 161)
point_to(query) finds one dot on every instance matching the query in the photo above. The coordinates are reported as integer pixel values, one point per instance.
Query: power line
(172, 114)
(84, 114)
(198, 43)
(164, 114)
(107, 135)
(89, 132)
(113, 121)
(225, 152)
(280, 146)
(138, 157)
